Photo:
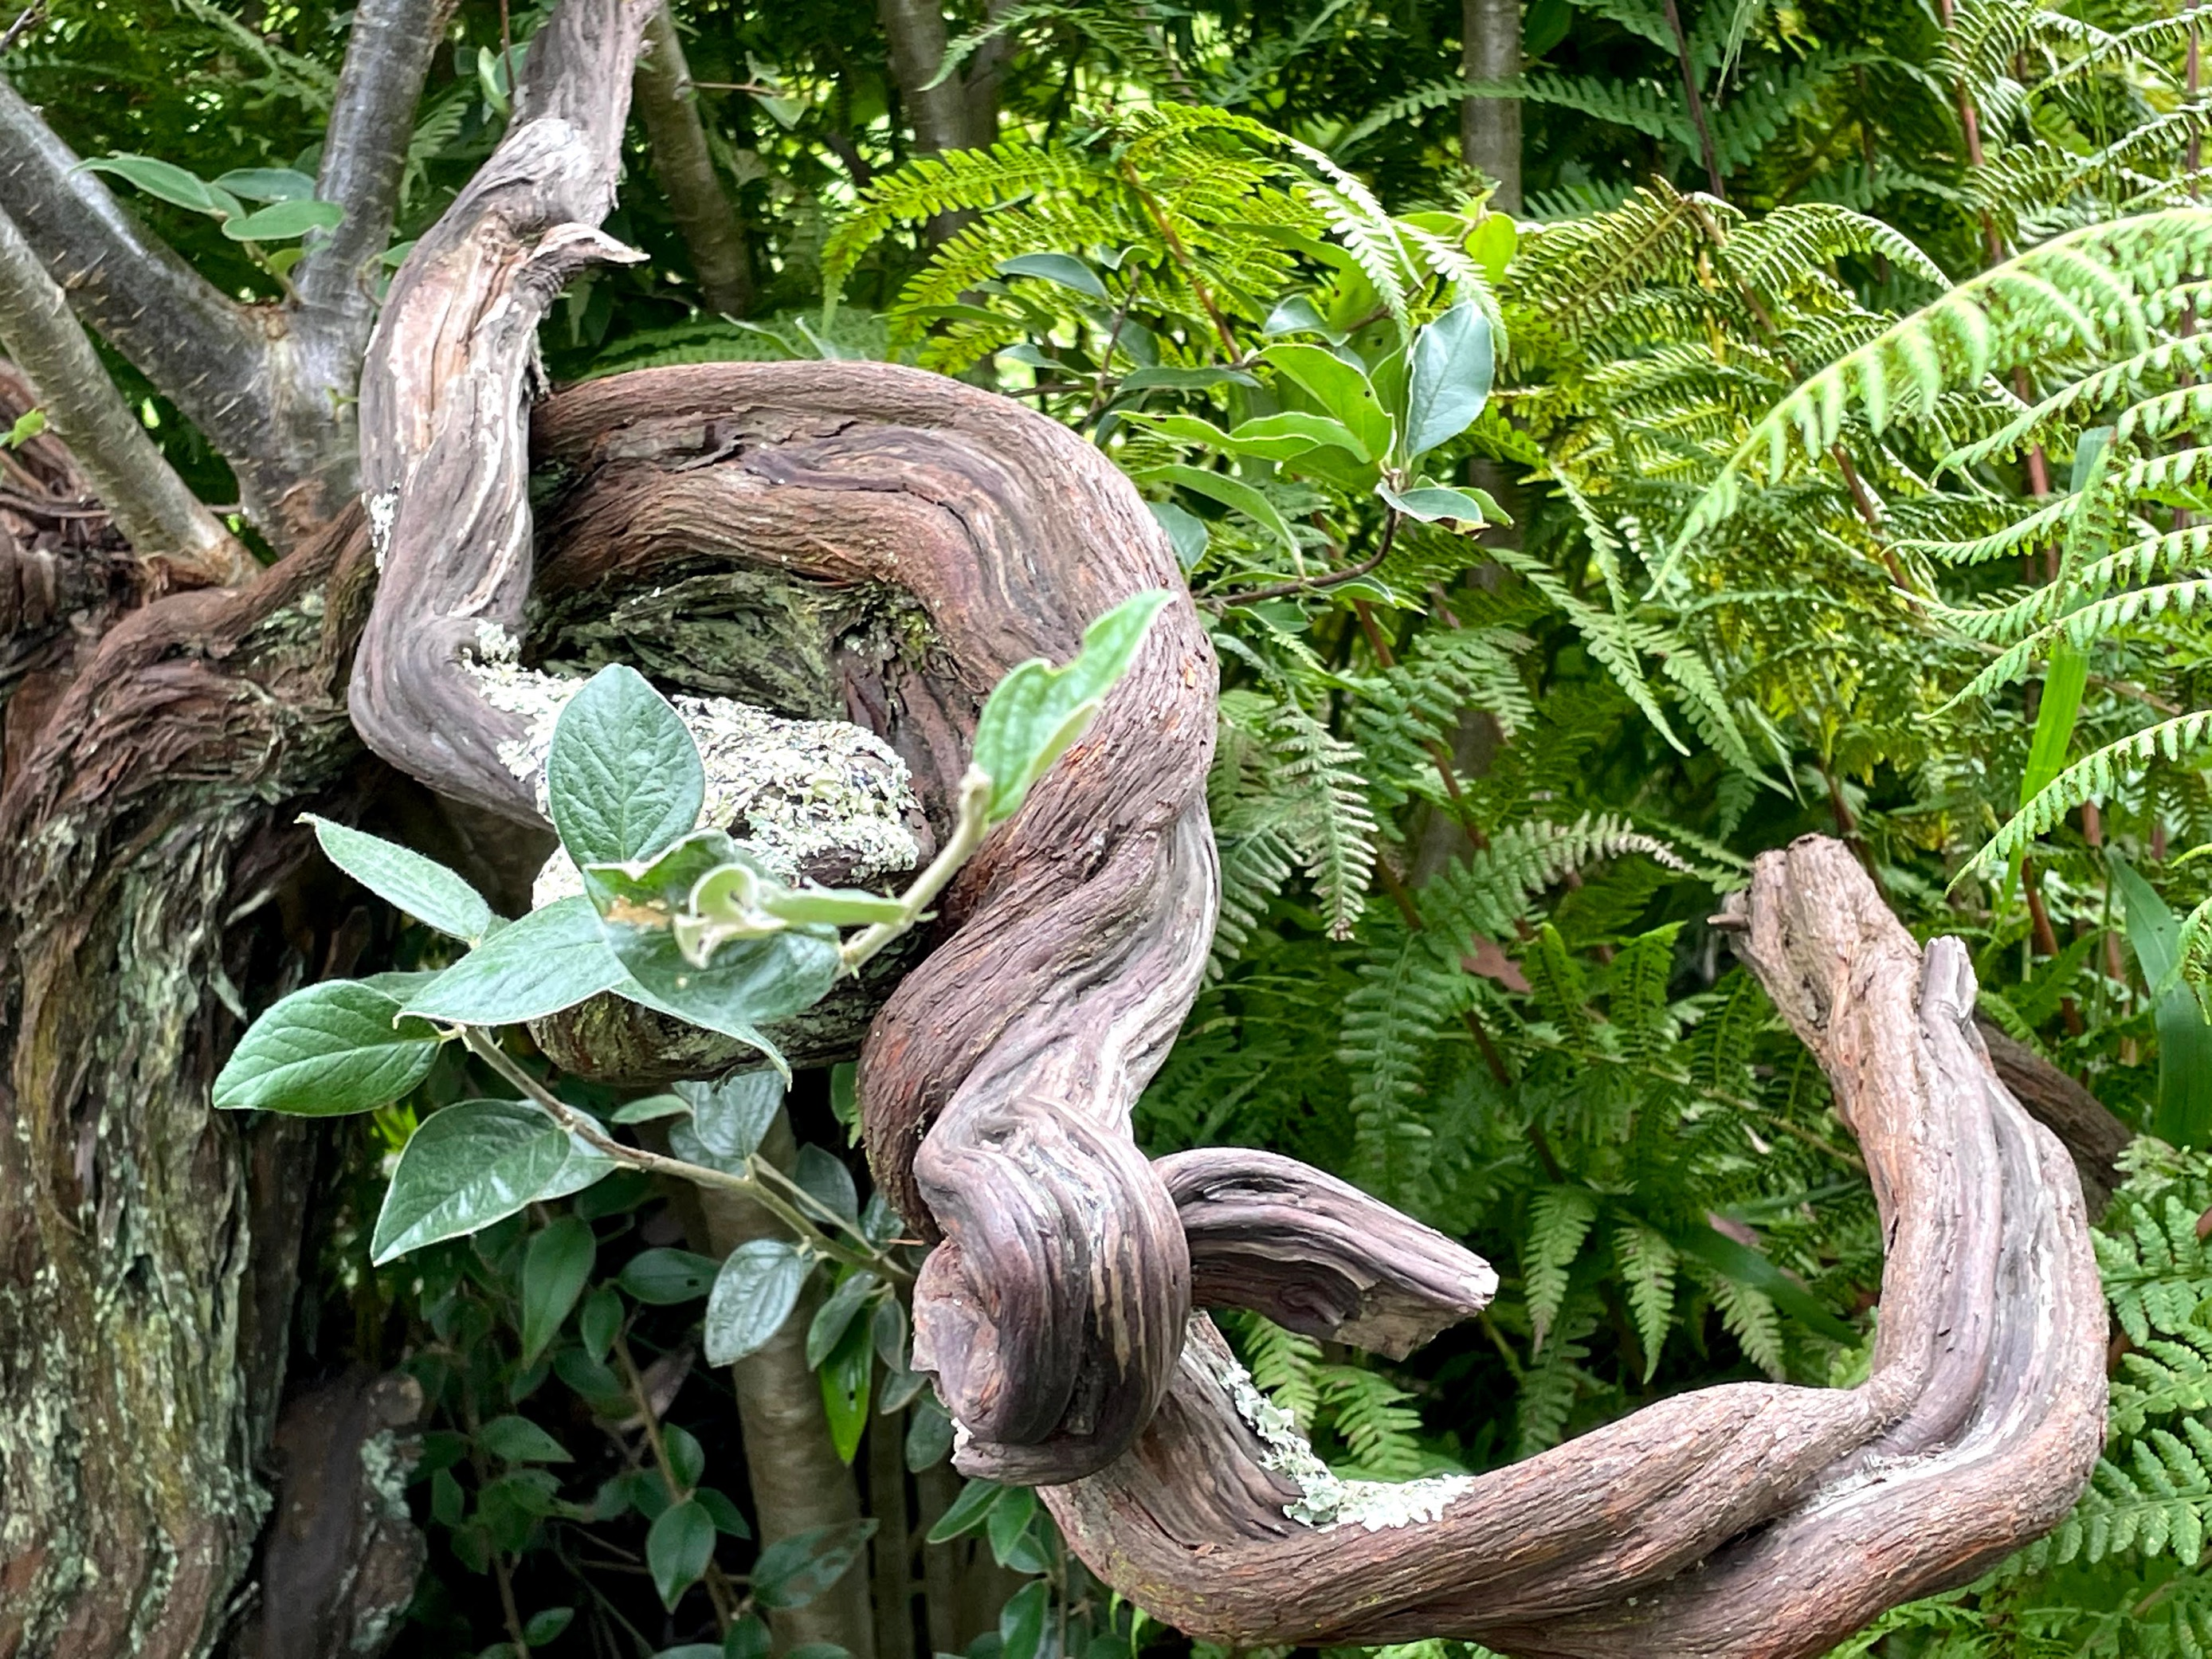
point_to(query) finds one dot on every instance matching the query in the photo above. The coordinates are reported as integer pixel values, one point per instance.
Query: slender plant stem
(718, 1586)
(1314, 584)
(967, 836)
(586, 1129)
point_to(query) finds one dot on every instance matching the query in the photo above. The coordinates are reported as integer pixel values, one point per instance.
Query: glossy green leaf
(792, 1572)
(555, 1271)
(750, 984)
(966, 1512)
(1447, 378)
(1156, 377)
(1341, 388)
(754, 1293)
(836, 1314)
(268, 184)
(1746, 1266)
(687, 1458)
(928, 1436)
(824, 1178)
(1038, 711)
(679, 1548)
(846, 1376)
(729, 1520)
(1494, 240)
(553, 959)
(334, 1047)
(600, 1320)
(623, 778)
(1063, 269)
(839, 907)
(2184, 1114)
(665, 1277)
(545, 1624)
(1021, 1621)
(283, 222)
(1008, 1521)
(421, 887)
(651, 1109)
(1430, 503)
(168, 182)
(514, 1439)
(1186, 532)
(732, 1117)
(1232, 493)
(475, 1162)
(663, 884)
(748, 1639)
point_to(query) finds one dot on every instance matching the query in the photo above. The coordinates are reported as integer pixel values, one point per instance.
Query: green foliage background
(1474, 804)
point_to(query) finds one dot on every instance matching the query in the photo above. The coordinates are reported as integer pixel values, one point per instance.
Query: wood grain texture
(889, 544)
(1751, 1521)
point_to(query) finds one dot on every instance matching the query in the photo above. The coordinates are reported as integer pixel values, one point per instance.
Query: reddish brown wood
(1803, 1512)
(896, 542)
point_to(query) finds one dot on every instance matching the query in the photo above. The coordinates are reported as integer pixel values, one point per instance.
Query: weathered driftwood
(893, 542)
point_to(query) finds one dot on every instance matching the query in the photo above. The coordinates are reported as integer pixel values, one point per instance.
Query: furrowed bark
(158, 515)
(2091, 1136)
(799, 1481)
(1490, 128)
(712, 233)
(145, 1266)
(449, 370)
(241, 376)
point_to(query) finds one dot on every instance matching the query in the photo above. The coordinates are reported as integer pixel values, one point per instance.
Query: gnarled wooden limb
(1742, 1520)
(889, 544)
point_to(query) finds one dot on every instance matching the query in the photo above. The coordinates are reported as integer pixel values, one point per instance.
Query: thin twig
(1313, 584)
(586, 1129)
(29, 16)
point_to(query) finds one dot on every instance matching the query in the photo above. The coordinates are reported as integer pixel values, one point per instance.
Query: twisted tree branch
(902, 540)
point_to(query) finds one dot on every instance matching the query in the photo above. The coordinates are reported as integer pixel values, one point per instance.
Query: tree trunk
(150, 1245)
(712, 233)
(797, 1480)
(1490, 128)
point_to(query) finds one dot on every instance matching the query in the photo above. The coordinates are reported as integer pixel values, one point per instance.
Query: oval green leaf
(623, 778)
(553, 959)
(753, 1295)
(475, 1162)
(331, 1049)
(423, 888)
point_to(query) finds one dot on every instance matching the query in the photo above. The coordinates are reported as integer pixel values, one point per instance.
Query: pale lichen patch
(1327, 1500)
(792, 792)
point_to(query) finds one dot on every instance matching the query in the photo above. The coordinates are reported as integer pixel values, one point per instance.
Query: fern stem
(1697, 102)
(1184, 261)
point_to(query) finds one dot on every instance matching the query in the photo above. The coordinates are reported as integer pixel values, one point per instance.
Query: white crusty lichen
(1327, 1500)
(790, 791)
(383, 509)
